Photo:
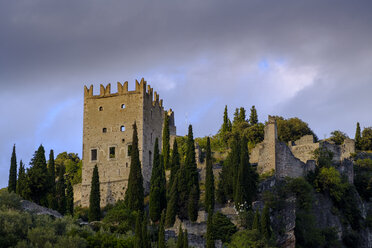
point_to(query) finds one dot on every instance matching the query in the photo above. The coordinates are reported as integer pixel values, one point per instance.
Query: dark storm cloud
(310, 59)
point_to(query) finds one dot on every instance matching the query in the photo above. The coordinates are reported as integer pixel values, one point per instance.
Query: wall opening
(123, 106)
(100, 108)
(93, 155)
(129, 150)
(122, 128)
(112, 152)
(104, 130)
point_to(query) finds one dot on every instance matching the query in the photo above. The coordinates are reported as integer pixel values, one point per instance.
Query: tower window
(104, 130)
(100, 108)
(112, 152)
(122, 128)
(123, 106)
(93, 155)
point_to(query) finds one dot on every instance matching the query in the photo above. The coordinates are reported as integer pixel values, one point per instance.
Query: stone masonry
(296, 159)
(107, 136)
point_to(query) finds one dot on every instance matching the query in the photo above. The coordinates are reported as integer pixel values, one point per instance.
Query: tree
(366, 140)
(145, 237)
(210, 239)
(236, 117)
(234, 163)
(242, 115)
(95, 197)
(265, 223)
(161, 238)
(180, 237)
(357, 137)
(185, 239)
(69, 198)
(226, 125)
(12, 183)
(138, 231)
(157, 186)
(135, 192)
(192, 206)
(174, 166)
(61, 191)
(172, 207)
(338, 137)
(52, 203)
(37, 186)
(223, 228)
(166, 135)
(256, 221)
(209, 179)
(21, 182)
(292, 129)
(253, 118)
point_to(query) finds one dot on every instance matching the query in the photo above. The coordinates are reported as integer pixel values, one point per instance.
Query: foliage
(363, 178)
(166, 148)
(255, 133)
(323, 157)
(253, 118)
(209, 234)
(172, 205)
(366, 140)
(61, 191)
(37, 178)
(185, 239)
(265, 223)
(161, 236)
(157, 186)
(223, 228)
(9, 201)
(256, 221)
(120, 219)
(193, 204)
(357, 137)
(12, 182)
(329, 180)
(180, 237)
(292, 129)
(69, 198)
(52, 200)
(95, 197)
(209, 180)
(246, 218)
(338, 137)
(145, 234)
(248, 239)
(135, 191)
(174, 166)
(72, 164)
(21, 182)
(138, 232)
(81, 213)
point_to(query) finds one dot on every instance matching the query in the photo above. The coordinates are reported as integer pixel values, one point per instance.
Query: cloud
(309, 59)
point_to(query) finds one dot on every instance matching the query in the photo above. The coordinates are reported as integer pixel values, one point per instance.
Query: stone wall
(108, 124)
(287, 165)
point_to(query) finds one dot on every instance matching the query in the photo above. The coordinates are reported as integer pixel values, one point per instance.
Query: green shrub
(9, 200)
(81, 213)
(120, 219)
(248, 239)
(223, 228)
(13, 227)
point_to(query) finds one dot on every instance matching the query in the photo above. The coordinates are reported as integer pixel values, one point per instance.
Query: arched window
(104, 130)
(100, 108)
(122, 128)
(123, 106)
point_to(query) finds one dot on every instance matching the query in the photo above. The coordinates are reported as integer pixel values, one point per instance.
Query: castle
(107, 136)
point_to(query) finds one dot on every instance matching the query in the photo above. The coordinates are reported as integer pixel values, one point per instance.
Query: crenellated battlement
(140, 88)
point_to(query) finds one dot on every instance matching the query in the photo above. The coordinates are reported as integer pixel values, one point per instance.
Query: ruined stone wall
(287, 165)
(108, 124)
(303, 148)
(266, 151)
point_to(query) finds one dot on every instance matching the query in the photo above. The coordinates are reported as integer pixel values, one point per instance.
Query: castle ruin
(297, 158)
(107, 136)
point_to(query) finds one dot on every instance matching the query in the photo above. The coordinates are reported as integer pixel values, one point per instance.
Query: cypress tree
(265, 223)
(253, 118)
(175, 165)
(226, 126)
(236, 117)
(162, 186)
(192, 206)
(241, 193)
(155, 198)
(161, 236)
(256, 221)
(95, 197)
(166, 146)
(210, 240)
(357, 137)
(242, 115)
(234, 164)
(61, 191)
(135, 192)
(172, 207)
(145, 237)
(37, 181)
(192, 176)
(209, 179)
(21, 179)
(69, 198)
(138, 231)
(12, 183)
(185, 239)
(180, 237)
(183, 194)
(52, 203)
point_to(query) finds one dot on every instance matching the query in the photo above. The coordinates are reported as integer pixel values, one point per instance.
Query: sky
(294, 58)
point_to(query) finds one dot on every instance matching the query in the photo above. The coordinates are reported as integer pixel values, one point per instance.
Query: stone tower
(107, 136)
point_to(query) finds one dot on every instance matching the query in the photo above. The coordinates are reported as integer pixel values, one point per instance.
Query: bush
(329, 180)
(9, 200)
(81, 213)
(248, 239)
(13, 227)
(223, 228)
(120, 219)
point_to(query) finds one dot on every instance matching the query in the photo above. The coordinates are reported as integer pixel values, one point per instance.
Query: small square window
(104, 130)
(112, 152)
(100, 108)
(93, 154)
(122, 128)
(123, 106)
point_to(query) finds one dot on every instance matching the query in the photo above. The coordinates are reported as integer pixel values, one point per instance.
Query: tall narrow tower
(107, 136)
